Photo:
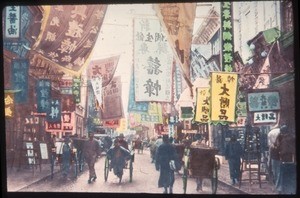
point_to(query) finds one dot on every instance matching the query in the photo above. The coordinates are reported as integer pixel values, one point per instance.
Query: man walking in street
(233, 153)
(91, 150)
(164, 154)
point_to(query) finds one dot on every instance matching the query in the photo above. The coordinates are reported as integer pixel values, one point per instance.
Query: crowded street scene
(183, 98)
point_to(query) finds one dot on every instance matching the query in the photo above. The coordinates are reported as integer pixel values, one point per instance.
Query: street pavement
(20, 179)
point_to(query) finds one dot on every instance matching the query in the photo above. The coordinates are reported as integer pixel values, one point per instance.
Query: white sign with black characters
(265, 117)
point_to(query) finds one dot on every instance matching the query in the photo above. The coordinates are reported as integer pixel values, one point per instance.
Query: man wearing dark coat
(233, 153)
(118, 156)
(91, 150)
(164, 154)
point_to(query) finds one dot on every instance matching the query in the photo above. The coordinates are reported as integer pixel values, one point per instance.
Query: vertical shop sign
(134, 106)
(153, 62)
(97, 87)
(54, 112)
(43, 91)
(202, 105)
(76, 88)
(67, 102)
(65, 85)
(9, 105)
(223, 96)
(67, 121)
(12, 22)
(227, 41)
(20, 79)
(112, 100)
(16, 23)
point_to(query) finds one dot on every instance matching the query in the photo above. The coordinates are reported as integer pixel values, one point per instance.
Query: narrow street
(145, 179)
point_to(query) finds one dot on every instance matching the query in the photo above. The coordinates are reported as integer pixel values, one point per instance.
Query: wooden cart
(201, 162)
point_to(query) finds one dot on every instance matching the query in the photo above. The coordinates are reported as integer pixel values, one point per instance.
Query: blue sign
(19, 78)
(134, 106)
(54, 112)
(43, 91)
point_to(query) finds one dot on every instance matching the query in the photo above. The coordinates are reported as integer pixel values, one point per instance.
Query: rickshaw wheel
(106, 169)
(184, 179)
(130, 169)
(214, 179)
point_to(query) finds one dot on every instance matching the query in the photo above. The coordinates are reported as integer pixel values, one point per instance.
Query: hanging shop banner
(202, 105)
(67, 121)
(265, 117)
(76, 88)
(153, 62)
(97, 87)
(67, 102)
(16, 23)
(263, 101)
(12, 22)
(134, 106)
(69, 33)
(19, 77)
(65, 85)
(112, 100)
(9, 105)
(43, 94)
(223, 96)
(240, 122)
(104, 68)
(227, 40)
(177, 79)
(177, 20)
(264, 78)
(54, 112)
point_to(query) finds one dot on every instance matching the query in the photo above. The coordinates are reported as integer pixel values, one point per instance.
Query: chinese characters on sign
(153, 62)
(112, 100)
(43, 91)
(104, 68)
(227, 36)
(54, 112)
(76, 88)
(12, 23)
(20, 79)
(65, 85)
(265, 117)
(223, 96)
(262, 101)
(203, 105)
(9, 105)
(134, 106)
(97, 87)
(70, 34)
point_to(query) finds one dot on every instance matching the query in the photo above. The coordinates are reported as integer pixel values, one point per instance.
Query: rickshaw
(201, 162)
(56, 158)
(128, 165)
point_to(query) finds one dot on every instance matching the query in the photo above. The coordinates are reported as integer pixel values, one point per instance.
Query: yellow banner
(9, 105)
(202, 105)
(223, 96)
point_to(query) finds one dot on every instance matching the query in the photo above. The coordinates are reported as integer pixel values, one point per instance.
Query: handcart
(201, 162)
